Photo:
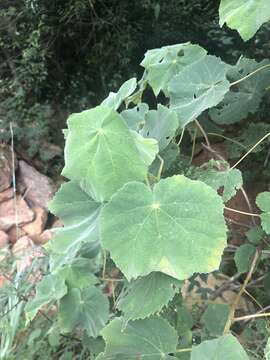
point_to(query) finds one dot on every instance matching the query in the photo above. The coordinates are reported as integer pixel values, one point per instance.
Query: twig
(161, 167)
(203, 133)
(249, 75)
(241, 212)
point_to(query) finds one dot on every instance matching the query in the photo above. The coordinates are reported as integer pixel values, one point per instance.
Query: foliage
(141, 219)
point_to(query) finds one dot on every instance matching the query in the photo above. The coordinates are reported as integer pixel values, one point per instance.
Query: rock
(25, 251)
(3, 240)
(6, 194)
(57, 223)
(37, 226)
(39, 188)
(43, 238)
(8, 215)
(6, 167)
(15, 233)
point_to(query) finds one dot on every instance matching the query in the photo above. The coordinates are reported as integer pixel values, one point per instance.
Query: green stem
(249, 75)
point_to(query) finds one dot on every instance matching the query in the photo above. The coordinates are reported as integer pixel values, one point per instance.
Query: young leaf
(162, 64)
(263, 202)
(245, 97)
(146, 296)
(79, 213)
(215, 318)
(114, 100)
(178, 228)
(160, 124)
(229, 180)
(243, 257)
(51, 288)
(151, 338)
(87, 308)
(198, 87)
(226, 347)
(245, 16)
(100, 152)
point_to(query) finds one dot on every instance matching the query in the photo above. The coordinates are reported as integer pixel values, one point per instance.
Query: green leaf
(170, 156)
(244, 98)
(151, 338)
(114, 100)
(86, 308)
(135, 117)
(243, 257)
(51, 288)
(226, 347)
(100, 152)
(245, 16)
(148, 148)
(162, 64)
(146, 296)
(263, 202)
(198, 87)
(215, 318)
(218, 175)
(160, 124)
(79, 213)
(79, 273)
(267, 350)
(255, 235)
(178, 228)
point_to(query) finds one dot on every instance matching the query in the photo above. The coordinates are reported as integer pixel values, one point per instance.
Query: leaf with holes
(51, 288)
(162, 64)
(263, 202)
(245, 97)
(245, 16)
(86, 308)
(198, 87)
(148, 148)
(160, 124)
(147, 295)
(151, 338)
(226, 347)
(177, 228)
(100, 152)
(135, 117)
(114, 100)
(79, 213)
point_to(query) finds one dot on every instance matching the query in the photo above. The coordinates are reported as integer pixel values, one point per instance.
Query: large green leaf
(198, 87)
(146, 296)
(246, 16)
(162, 64)
(152, 339)
(100, 152)
(51, 288)
(263, 201)
(244, 98)
(178, 228)
(225, 347)
(86, 308)
(160, 124)
(218, 175)
(114, 100)
(79, 213)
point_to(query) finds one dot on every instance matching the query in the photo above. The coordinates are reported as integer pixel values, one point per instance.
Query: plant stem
(161, 167)
(252, 316)
(241, 212)
(183, 350)
(249, 75)
(181, 137)
(228, 139)
(203, 132)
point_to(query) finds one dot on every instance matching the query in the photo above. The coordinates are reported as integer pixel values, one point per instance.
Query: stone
(43, 238)
(14, 233)
(8, 215)
(37, 226)
(6, 166)
(6, 194)
(25, 251)
(39, 188)
(3, 240)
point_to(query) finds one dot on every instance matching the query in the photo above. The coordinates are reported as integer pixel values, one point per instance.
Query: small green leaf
(245, 16)
(160, 124)
(178, 228)
(162, 64)
(100, 152)
(148, 148)
(51, 288)
(146, 296)
(267, 350)
(87, 308)
(79, 213)
(226, 347)
(243, 257)
(114, 100)
(151, 338)
(263, 202)
(135, 117)
(255, 235)
(198, 87)
(215, 318)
